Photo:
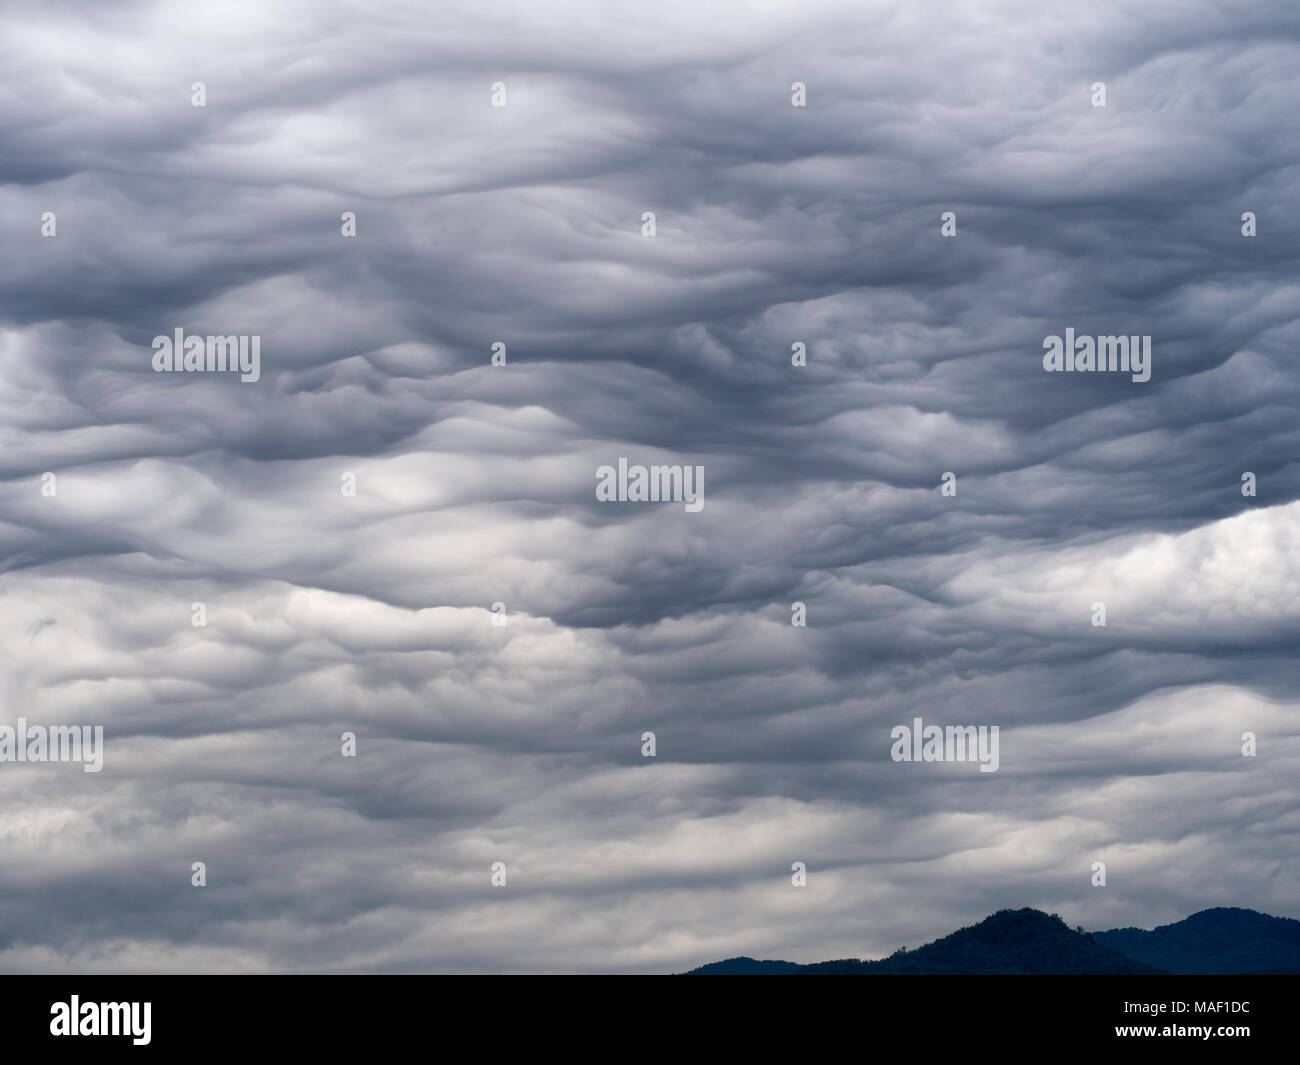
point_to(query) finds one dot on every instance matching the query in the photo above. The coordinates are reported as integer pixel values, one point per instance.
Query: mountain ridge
(1223, 940)
(1220, 940)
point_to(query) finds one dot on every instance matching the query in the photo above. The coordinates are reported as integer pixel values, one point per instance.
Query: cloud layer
(774, 225)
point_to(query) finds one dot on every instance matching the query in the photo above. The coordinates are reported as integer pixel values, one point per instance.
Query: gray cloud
(475, 483)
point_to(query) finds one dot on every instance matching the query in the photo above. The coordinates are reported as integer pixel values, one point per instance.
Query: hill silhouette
(1010, 942)
(1225, 940)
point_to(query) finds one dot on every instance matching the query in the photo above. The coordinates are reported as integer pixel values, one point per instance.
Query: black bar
(610, 1016)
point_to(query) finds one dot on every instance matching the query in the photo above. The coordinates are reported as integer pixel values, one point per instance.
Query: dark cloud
(476, 483)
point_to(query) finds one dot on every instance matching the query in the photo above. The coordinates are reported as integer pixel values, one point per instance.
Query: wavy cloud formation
(522, 224)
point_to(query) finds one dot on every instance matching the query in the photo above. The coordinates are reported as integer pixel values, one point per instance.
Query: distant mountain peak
(1024, 941)
(1220, 940)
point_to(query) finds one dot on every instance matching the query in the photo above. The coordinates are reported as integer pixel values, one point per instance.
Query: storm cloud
(523, 225)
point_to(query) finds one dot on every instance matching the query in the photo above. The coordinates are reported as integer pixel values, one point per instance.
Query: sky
(525, 225)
